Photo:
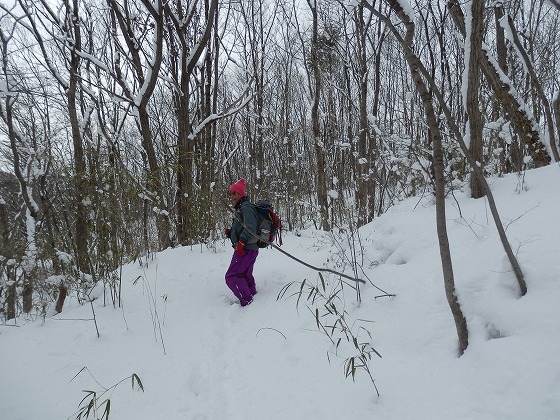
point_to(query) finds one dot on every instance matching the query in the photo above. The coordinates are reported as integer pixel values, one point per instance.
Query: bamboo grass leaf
(107, 409)
(138, 381)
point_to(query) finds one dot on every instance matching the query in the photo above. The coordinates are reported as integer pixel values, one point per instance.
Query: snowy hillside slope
(199, 356)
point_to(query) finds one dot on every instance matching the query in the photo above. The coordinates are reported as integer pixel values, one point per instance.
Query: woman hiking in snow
(239, 276)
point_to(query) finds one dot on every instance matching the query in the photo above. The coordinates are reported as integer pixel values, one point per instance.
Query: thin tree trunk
(501, 50)
(31, 208)
(11, 301)
(366, 181)
(496, 142)
(147, 79)
(315, 126)
(183, 66)
(27, 296)
(62, 293)
(556, 108)
(10, 272)
(473, 109)
(153, 183)
(82, 231)
(438, 166)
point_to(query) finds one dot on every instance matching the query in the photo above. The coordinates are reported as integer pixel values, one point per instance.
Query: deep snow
(201, 357)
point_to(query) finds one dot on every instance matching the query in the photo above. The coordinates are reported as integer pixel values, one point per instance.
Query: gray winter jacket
(246, 213)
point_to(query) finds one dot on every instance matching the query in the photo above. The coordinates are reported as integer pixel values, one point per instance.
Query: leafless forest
(124, 122)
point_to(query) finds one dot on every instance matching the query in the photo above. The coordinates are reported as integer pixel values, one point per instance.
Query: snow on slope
(201, 357)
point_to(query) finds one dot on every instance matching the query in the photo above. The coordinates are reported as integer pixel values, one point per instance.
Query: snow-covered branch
(234, 108)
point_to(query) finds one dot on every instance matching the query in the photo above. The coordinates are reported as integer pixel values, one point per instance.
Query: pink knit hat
(238, 187)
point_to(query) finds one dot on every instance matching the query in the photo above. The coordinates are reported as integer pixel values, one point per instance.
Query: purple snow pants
(239, 276)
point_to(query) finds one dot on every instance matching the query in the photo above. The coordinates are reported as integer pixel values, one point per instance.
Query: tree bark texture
(366, 150)
(315, 125)
(62, 293)
(473, 101)
(81, 225)
(535, 80)
(10, 290)
(556, 108)
(521, 122)
(11, 301)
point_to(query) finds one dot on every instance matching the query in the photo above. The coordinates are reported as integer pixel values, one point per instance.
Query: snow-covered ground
(199, 356)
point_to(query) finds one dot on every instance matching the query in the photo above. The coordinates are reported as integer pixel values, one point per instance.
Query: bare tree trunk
(438, 166)
(496, 142)
(184, 169)
(501, 50)
(365, 178)
(11, 301)
(206, 141)
(473, 109)
(258, 58)
(27, 295)
(62, 293)
(147, 76)
(153, 182)
(24, 180)
(6, 252)
(183, 64)
(556, 107)
(322, 200)
(82, 232)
